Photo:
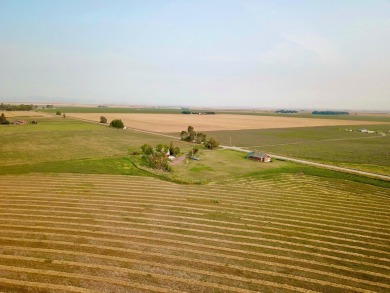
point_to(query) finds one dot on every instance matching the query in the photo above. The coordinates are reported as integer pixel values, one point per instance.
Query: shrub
(117, 123)
(211, 144)
(58, 113)
(174, 151)
(103, 119)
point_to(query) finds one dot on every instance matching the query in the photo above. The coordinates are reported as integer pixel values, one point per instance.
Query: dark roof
(256, 155)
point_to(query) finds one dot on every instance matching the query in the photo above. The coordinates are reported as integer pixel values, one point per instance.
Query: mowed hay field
(106, 233)
(168, 123)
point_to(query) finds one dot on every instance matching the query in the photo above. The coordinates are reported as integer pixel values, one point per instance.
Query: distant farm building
(261, 157)
(19, 122)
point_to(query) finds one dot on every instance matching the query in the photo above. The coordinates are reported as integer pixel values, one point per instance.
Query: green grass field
(66, 145)
(76, 215)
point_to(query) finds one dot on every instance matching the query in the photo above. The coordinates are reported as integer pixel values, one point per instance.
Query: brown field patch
(168, 123)
(12, 114)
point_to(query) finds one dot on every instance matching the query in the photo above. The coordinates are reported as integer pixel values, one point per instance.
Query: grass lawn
(221, 164)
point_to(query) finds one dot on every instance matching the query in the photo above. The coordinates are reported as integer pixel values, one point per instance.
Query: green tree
(103, 119)
(3, 119)
(200, 137)
(117, 123)
(211, 144)
(58, 113)
(147, 149)
(184, 135)
(174, 151)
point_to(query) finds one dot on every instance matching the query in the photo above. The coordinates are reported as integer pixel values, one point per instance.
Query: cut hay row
(192, 195)
(307, 185)
(225, 277)
(80, 230)
(44, 273)
(199, 263)
(18, 285)
(208, 250)
(336, 255)
(314, 225)
(330, 239)
(306, 196)
(268, 208)
(244, 233)
(379, 221)
(268, 190)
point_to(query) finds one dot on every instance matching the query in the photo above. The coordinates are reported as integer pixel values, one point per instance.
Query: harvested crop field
(76, 233)
(12, 114)
(168, 123)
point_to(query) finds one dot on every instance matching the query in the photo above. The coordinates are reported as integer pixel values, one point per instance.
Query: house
(261, 157)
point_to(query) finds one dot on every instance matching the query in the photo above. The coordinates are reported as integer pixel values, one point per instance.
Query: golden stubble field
(169, 123)
(15, 114)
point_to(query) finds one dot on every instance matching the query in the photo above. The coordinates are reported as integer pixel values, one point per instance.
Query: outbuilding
(261, 157)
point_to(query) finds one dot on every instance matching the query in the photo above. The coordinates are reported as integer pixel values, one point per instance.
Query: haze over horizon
(249, 54)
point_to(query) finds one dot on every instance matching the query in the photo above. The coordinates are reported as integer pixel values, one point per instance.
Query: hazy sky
(301, 54)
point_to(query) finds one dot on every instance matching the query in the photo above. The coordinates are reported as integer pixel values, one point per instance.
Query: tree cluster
(198, 137)
(330, 113)
(197, 113)
(157, 157)
(117, 123)
(22, 107)
(192, 136)
(3, 119)
(286, 111)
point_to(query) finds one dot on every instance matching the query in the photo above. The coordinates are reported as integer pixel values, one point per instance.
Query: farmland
(168, 123)
(78, 216)
(114, 233)
(331, 144)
